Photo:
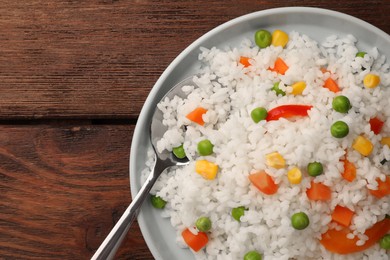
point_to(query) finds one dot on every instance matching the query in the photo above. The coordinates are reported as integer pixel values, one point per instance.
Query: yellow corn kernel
(279, 38)
(371, 80)
(294, 175)
(206, 169)
(386, 141)
(275, 160)
(298, 88)
(362, 145)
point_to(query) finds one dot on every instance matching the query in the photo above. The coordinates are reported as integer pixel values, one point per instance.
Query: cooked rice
(229, 92)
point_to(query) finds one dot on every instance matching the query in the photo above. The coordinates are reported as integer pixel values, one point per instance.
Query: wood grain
(100, 58)
(62, 189)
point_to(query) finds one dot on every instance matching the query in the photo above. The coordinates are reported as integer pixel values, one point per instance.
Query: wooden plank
(99, 59)
(62, 189)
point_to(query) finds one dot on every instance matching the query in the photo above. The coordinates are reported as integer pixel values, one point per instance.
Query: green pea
(300, 221)
(179, 152)
(277, 90)
(384, 242)
(238, 212)
(253, 255)
(341, 104)
(258, 114)
(315, 169)
(339, 129)
(203, 224)
(263, 38)
(205, 147)
(157, 202)
(361, 54)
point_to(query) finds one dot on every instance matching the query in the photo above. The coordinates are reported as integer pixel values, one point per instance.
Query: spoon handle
(114, 239)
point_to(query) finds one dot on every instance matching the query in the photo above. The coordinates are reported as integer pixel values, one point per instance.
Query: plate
(317, 23)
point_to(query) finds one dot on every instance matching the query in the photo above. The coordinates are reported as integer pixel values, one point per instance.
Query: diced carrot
(196, 115)
(263, 182)
(318, 191)
(244, 61)
(342, 215)
(383, 188)
(323, 70)
(331, 85)
(287, 111)
(280, 66)
(349, 173)
(336, 241)
(376, 125)
(196, 242)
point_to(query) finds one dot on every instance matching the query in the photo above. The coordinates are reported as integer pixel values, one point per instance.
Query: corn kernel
(298, 88)
(371, 81)
(279, 38)
(386, 141)
(275, 160)
(206, 169)
(294, 175)
(363, 145)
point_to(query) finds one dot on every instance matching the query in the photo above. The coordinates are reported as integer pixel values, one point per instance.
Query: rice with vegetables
(288, 141)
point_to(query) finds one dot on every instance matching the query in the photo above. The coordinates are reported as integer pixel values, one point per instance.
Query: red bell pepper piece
(336, 241)
(287, 111)
(376, 125)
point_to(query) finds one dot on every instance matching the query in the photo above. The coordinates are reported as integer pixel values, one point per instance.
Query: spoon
(162, 160)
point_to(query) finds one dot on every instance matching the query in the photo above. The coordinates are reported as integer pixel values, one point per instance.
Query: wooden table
(73, 78)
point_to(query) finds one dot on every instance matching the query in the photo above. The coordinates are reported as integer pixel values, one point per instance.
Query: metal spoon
(163, 160)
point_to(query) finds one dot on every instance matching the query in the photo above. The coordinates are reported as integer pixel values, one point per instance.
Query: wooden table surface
(73, 78)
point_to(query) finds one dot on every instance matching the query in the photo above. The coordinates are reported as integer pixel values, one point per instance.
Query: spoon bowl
(162, 160)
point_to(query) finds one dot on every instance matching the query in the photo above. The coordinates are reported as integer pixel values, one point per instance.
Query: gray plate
(316, 23)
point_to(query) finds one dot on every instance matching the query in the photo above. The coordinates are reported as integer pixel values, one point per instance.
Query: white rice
(229, 92)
